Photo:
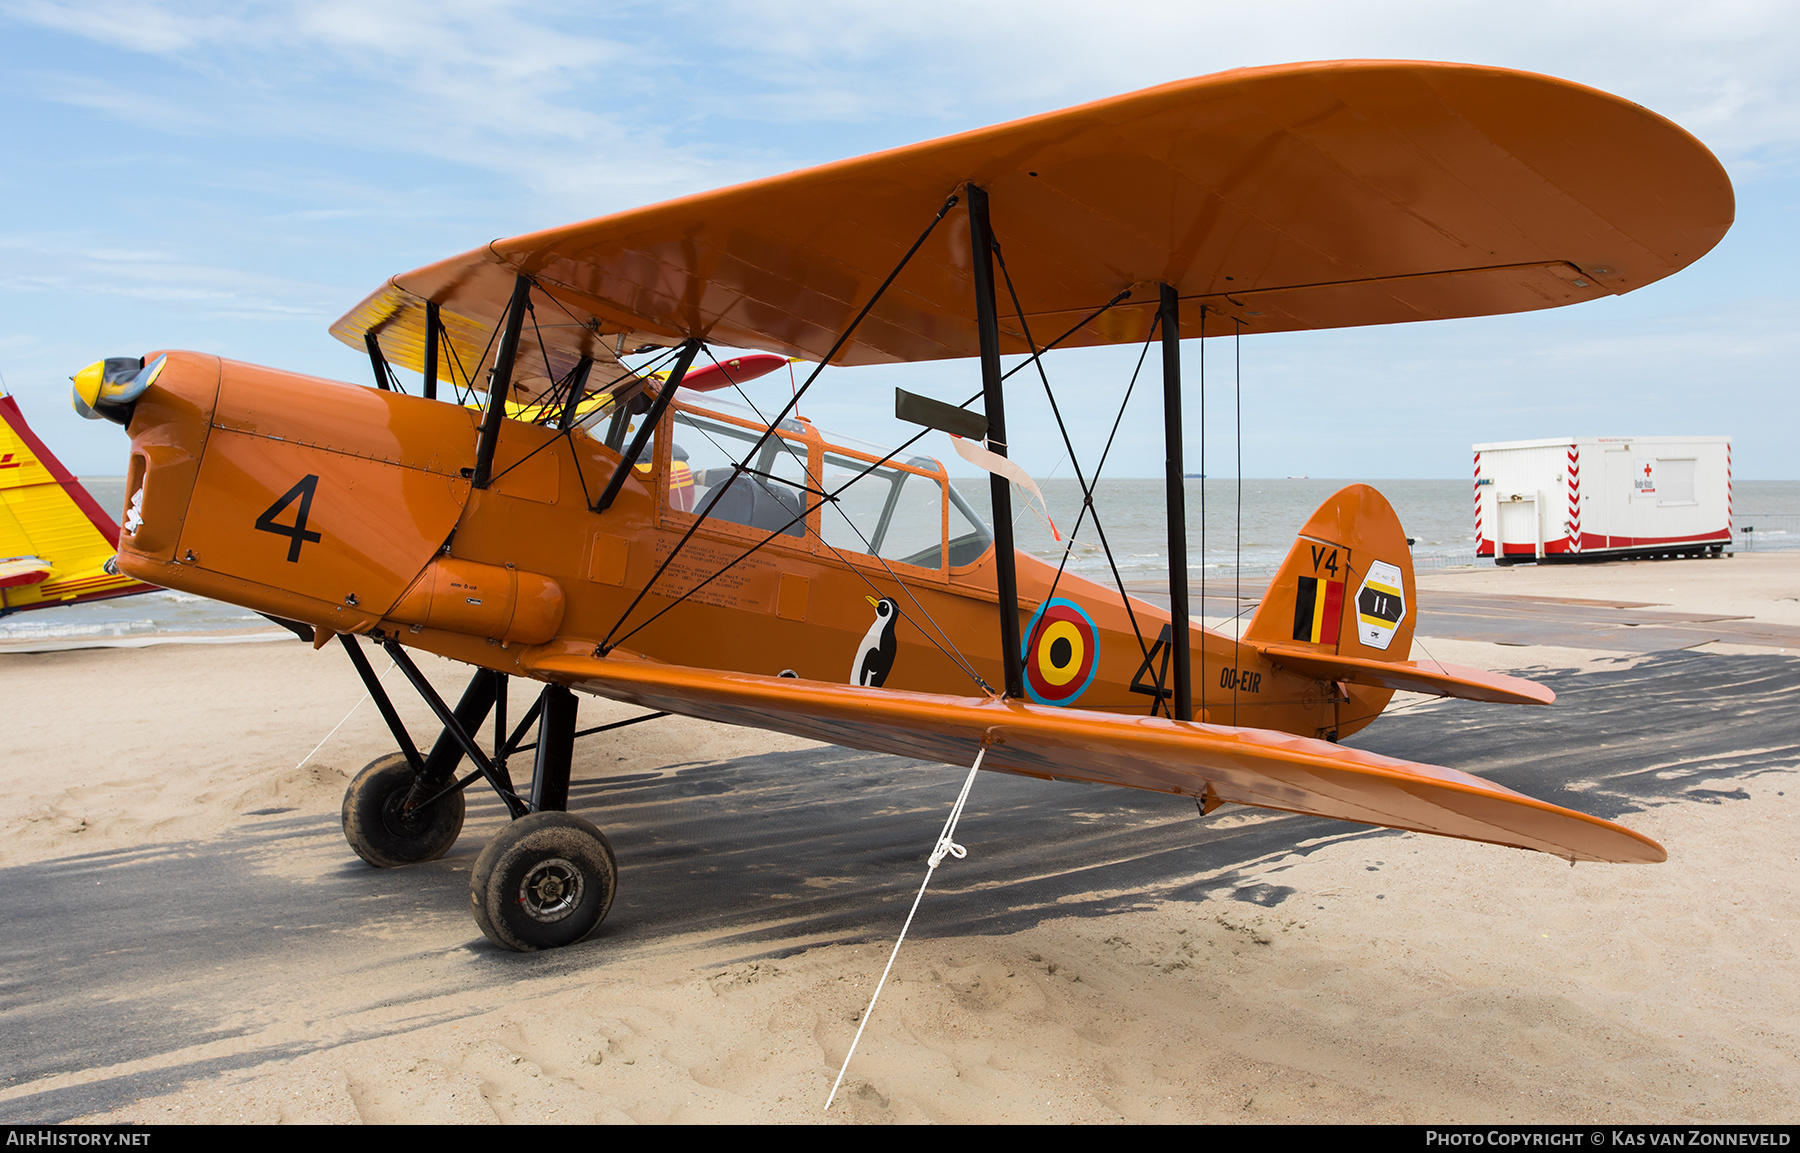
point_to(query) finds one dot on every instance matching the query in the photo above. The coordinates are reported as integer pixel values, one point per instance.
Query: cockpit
(833, 495)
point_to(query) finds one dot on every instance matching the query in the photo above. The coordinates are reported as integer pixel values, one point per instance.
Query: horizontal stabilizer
(1248, 766)
(1431, 677)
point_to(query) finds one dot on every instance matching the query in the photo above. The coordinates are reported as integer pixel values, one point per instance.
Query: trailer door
(1618, 490)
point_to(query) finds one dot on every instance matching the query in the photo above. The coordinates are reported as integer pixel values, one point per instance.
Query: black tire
(544, 881)
(380, 834)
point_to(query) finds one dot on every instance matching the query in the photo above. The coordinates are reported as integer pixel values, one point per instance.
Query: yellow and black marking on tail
(1380, 605)
(1318, 607)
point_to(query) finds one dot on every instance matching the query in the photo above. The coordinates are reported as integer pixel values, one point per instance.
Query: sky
(233, 177)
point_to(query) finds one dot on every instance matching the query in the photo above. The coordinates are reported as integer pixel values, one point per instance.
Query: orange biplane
(601, 528)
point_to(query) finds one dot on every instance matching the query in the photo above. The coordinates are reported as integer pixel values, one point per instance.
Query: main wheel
(544, 881)
(385, 836)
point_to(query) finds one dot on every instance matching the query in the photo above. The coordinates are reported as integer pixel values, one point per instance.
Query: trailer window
(1674, 481)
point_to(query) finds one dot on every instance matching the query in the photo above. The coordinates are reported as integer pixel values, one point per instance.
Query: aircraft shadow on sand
(124, 955)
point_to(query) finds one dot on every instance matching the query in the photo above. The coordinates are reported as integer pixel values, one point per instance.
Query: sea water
(1247, 532)
(1249, 528)
(1231, 529)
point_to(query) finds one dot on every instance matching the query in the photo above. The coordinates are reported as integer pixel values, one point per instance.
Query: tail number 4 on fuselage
(297, 533)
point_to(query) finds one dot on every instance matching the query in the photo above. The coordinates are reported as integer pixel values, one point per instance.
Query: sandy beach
(190, 940)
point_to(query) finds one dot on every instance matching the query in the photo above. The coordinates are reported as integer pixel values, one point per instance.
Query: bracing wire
(788, 408)
(1123, 295)
(953, 652)
(1087, 492)
(545, 404)
(1200, 683)
(1237, 520)
(605, 647)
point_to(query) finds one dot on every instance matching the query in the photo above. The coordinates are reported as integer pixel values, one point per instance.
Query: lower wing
(1258, 767)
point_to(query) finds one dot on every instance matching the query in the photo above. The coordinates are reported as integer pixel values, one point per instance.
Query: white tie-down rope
(946, 844)
(342, 723)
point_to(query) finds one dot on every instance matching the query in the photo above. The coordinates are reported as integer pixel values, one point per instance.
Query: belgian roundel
(1062, 651)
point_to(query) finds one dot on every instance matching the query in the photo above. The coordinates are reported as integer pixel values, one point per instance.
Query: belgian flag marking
(1380, 605)
(1318, 606)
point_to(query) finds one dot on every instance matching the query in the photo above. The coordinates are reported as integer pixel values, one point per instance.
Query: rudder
(1346, 587)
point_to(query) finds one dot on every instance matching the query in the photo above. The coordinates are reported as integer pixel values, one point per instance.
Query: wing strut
(577, 391)
(500, 382)
(1175, 493)
(1087, 489)
(378, 362)
(987, 323)
(608, 644)
(648, 428)
(434, 328)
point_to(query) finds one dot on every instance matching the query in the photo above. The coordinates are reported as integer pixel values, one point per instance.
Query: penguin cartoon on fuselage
(875, 656)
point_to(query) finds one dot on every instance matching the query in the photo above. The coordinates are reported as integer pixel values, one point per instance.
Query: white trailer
(1602, 498)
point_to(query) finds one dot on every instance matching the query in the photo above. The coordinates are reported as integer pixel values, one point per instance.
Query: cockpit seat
(757, 502)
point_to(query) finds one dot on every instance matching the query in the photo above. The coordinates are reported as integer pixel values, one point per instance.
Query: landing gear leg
(545, 880)
(555, 749)
(397, 811)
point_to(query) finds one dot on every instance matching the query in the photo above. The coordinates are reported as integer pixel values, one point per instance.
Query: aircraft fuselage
(352, 509)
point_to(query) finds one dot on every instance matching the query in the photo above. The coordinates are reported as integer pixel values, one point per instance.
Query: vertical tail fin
(51, 526)
(1346, 588)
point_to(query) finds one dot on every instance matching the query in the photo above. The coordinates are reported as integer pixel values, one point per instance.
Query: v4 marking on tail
(297, 534)
(1330, 559)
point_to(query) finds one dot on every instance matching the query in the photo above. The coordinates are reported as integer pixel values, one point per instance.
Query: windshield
(901, 511)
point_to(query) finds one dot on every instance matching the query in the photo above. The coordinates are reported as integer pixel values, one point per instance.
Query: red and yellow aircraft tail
(55, 540)
(1344, 607)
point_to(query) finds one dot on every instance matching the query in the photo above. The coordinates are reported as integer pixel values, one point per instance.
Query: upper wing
(1248, 766)
(1296, 196)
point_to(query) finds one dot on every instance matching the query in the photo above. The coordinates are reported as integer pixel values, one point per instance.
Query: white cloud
(1726, 69)
(63, 266)
(397, 126)
(127, 24)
